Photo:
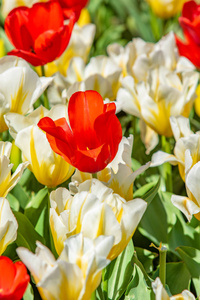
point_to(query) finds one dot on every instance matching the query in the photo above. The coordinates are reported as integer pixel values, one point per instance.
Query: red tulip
(13, 279)
(91, 139)
(38, 33)
(73, 6)
(190, 22)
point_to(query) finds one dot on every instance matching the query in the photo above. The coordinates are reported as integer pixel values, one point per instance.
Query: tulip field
(99, 150)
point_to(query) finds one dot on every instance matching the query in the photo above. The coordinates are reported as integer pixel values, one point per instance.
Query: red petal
(71, 6)
(109, 107)
(7, 275)
(58, 129)
(83, 109)
(45, 16)
(192, 30)
(109, 131)
(51, 44)
(28, 56)
(86, 163)
(21, 280)
(59, 136)
(16, 28)
(62, 148)
(189, 50)
(39, 33)
(190, 10)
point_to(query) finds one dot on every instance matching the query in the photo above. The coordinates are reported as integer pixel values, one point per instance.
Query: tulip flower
(100, 74)
(118, 175)
(7, 6)
(164, 94)
(94, 210)
(80, 44)
(49, 168)
(8, 180)
(77, 271)
(161, 293)
(8, 227)
(190, 205)
(91, 139)
(20, 87)
(166, 9)
(138, 57)
(13, 279)
(186, 150)
(190, 22)
(73, 6)
(39, 33)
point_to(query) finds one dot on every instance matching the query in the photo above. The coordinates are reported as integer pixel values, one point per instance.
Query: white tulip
(77, 271)
(8, 225)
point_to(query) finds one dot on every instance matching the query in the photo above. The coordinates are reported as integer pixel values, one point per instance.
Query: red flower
(73, 6)
(13, 279)
(91, 140)
(190, 22)
(38, 33)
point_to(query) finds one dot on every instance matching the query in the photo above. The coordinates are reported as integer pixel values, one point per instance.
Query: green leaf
(182, 234)
(154, 222)
(19, 193)
(26, 234)
(143, 24)
(35, 207)
(28, 295)
(148, 191)
(119, 272)
(138, 289)
(14, 203)
(191, 257)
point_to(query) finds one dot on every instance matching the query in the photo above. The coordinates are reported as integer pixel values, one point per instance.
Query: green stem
(46, 101)
(167, 168)
(162, 262)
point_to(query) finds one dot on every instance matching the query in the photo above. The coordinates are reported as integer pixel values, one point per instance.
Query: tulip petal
(85, 106)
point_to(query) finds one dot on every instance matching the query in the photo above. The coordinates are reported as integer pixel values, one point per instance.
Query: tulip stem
(162, 262)
(45, 99)
(167, 168)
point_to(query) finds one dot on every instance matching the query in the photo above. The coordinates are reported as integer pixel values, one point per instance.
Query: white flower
(164, 94)
(118, 175)
(161, 293)
(186, 150)
(190, 205)
(8, 180)
(95, 210)
(77, 271)
(48, 167)
(20, 87)
(8, 225)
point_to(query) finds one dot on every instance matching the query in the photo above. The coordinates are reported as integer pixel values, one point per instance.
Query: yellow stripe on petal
(84, 18)
(197, 101)
(160, 120)
(18, 99)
